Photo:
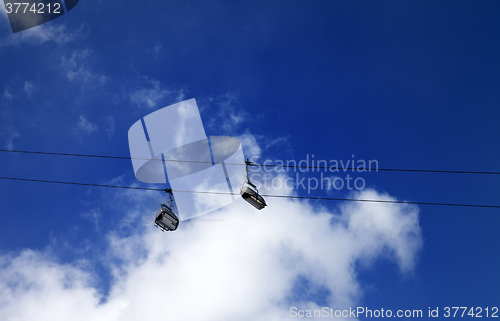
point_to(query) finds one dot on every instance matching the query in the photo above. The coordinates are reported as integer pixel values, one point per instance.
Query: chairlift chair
(250, 193)
(167, 219)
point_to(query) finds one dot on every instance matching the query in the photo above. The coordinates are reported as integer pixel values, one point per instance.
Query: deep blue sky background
(411, 84)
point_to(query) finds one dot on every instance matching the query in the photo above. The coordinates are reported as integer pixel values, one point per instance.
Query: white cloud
(7, 94)
(110, 130)
(155, 51)
(3, 16)
(8, 132)
(244, 268)
(277, 141)
(243, 265)
(94, 216)
(226, 113)
(29, 87)
(76, 68)
(11, 135)
(43, 34)
(10, 139)
(85, 126)
(181, 95)
(250, 146)
(153, 93)
(227, 116)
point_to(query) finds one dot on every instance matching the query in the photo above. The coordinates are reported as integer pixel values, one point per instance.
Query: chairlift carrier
(167, 219)
(249, 191)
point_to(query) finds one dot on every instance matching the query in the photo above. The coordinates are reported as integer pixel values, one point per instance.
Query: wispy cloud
(7, 94)
(226, 113)
(257, 146)
(250, 145)
(45, 33)
(29, 87)
(24, 89)
(76, 68)
(85, 126)
(155, 51)
(152, 93)
(10, 135)
(277, 141)
(110, 129)
(94, 216)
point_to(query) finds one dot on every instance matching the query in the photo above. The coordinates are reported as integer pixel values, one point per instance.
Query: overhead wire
(82, 184)
(269, 195)
(255, 165)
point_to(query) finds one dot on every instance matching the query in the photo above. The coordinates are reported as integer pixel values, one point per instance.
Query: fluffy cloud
(34, 283)
(246, 266)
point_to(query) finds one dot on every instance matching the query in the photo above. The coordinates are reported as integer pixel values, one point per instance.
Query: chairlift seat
(166, 219)
(252, 196)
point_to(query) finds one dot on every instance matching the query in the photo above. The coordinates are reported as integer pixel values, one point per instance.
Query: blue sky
(411, 84)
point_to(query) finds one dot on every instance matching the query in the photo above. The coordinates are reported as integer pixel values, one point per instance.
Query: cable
(383, 201)
(63, 154)
(277, 196)
(82, 184)
(256, 165)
